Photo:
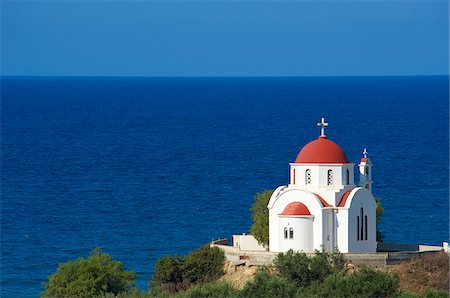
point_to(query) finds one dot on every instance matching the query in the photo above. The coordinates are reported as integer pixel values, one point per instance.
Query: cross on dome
(365, 153)
(323, 124)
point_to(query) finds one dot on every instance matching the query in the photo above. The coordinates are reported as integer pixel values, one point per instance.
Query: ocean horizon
(145, 167)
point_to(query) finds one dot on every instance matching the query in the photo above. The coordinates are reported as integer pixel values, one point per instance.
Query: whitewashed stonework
(322, 206)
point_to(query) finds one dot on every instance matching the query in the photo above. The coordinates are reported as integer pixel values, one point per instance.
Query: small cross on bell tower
(322, 125)
(365, 171)
(364, 153)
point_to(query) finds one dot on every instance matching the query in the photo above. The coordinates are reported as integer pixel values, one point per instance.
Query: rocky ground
(239, 275)
(428, 271)
(431, 270)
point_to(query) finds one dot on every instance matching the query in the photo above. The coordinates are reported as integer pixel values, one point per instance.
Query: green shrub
(177, 273)
(294, 267)
(268, 285)
(433, 293)
(97, 275)
(302, 270)
(429, 293)
(374, 283)
(168, 275)
(213, 290)
(379, 215)
(336, 260)
(320, 266)
(363, 283)
(134, 293)
(203, 265)
(260, 216)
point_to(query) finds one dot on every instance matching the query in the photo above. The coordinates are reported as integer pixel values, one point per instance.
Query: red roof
(344, 198)
(322, 150)
(296, 209)
(324, 203)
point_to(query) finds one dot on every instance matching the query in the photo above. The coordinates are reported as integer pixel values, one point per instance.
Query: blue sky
(225, 38)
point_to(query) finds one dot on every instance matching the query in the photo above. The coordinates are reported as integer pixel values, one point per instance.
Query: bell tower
(365, 172)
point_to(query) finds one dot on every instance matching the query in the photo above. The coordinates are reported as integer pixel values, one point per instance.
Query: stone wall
(237, 256)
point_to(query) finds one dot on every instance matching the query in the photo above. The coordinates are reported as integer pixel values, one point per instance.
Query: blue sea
(148, 167)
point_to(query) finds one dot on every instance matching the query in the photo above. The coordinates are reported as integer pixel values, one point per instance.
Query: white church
(322, 206)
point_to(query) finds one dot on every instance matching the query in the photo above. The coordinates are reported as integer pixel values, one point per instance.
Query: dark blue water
(150, 167)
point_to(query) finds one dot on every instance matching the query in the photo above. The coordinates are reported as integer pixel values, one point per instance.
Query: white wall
(247, 242)
(342, 230)
(303, 233)
(319, 174)
(330, 226)
(361, 198)
(276, 206)
(365, 180)
(319, 180)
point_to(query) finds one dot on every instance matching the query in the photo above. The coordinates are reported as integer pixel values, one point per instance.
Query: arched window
(367, 186)
(291, 233)
(365, 226)
(285, 233)
(357, 227)
(348, 176)
(293, 178)
(330, 177)
(308, 176)
(367, 171)
(362, 224)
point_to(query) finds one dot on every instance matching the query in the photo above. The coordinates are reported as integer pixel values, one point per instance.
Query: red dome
(322, 150)
(296, 209)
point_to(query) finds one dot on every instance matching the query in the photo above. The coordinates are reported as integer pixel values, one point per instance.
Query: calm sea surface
(147, 167)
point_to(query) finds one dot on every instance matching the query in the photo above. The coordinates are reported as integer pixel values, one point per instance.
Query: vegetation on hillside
(98, 275)
(296, 275)
(430, 271)
(292, 275)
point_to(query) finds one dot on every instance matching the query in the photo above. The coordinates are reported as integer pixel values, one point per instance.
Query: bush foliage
(168, 275)
(98, 275)
(363, 283)
(428, 293)
(379, 215)
(260, 216)
(294, 275)
(210, 290)
(177, 273)
(268, 285)
(203, 265)
(303, 270)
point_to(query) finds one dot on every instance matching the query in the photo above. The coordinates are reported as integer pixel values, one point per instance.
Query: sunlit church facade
(322, 206)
